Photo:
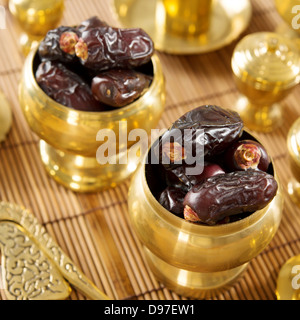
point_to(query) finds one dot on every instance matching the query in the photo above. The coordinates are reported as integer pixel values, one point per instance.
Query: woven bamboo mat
(93, 229)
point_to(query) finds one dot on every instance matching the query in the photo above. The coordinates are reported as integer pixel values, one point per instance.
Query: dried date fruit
(172, 199)
(229, 194)
(221, 128)
(180, 178)
(247, 154)
(66, 87)
(106, 48)
(93, 22)
(119, 87)
(59, 44)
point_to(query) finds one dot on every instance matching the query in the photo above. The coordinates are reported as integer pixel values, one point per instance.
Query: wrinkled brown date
(105, 48)
(119, 87)
(59, 44)
(172, 199)
(66, 87)
(221, 128)
(93, 22)
(247, 154)
(229, 194)
(178, 177)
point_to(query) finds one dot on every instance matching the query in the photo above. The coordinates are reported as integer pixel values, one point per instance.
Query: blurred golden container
(197, 260)
(68, 143)
(293, 144)
(266, 69)
(186, 27)
(184, 18)
(35, 18)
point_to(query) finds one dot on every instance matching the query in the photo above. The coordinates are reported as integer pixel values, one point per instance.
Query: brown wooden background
(93, 229)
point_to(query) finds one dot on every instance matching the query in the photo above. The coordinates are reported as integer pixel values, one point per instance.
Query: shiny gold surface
(293, 144)
(184, 18)
(228, 19)
(288, 280)
(68, 137)
(196, 260)
(35, 17)
(33, 266)
(5, 116)
(266, 68)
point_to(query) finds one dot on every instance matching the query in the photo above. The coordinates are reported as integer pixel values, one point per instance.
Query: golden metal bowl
(35, 18)
(68, 143)
(194, 260)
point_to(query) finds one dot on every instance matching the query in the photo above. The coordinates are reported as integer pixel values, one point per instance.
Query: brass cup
(198, 261)
(35, 18)
(68, 143)
(183, 18)
(266, 69)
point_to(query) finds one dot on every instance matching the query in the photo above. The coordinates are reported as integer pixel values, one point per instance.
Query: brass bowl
(69, 143)
(194, 260)
(35, 18)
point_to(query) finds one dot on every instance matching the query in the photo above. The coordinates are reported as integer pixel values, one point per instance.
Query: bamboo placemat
(93, 229)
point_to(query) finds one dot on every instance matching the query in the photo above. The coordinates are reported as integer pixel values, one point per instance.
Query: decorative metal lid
(267, 60)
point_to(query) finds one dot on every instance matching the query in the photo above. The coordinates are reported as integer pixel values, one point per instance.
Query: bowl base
(259, 118)
(28, 42)
(197, 285)
(83, 174)
(294, 191)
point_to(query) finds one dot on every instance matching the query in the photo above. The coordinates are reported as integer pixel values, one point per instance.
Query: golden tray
(229, 19)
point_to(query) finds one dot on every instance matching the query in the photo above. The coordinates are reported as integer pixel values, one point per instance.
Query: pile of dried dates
(95, 67)
(237, 177)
